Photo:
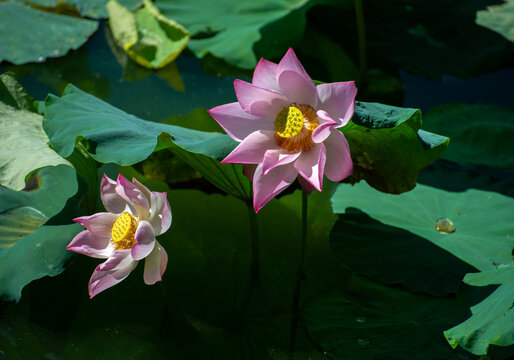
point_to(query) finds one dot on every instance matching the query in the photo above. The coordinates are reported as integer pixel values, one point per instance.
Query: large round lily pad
(32, 35)
(473, 225)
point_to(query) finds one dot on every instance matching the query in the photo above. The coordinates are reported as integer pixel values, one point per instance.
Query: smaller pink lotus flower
(288, 128)
(125, 234)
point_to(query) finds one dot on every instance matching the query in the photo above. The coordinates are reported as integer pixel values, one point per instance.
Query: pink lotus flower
(288, 128)
(125, 234)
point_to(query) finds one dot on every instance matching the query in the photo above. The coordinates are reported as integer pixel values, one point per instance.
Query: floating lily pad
(382, 253)
(32, 35)
(492, 322)
(24, 144)
(388, 148)
(386, 323)
(41, 250)
(232, 27)
(499, 18)
(472, 225)
(481, 134)
(149, 38)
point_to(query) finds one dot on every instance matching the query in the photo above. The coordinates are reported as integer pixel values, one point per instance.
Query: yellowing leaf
(149, 38)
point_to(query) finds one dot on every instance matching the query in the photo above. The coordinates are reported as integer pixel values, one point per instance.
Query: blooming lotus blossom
(125, 234)
(288, 128)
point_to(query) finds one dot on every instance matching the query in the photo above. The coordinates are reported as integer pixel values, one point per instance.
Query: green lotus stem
(255, 256)
(361, 32)
(299, 276)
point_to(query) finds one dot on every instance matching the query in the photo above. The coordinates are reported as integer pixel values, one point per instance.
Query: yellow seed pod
(289, 122)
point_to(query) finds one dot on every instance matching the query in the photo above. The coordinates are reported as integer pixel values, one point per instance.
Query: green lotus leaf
(32, 35)
(95, 9)
(388, 148)
(481, 134)
(28, 251)
(499, 18)
(482, 229)
(125, 139)
(149, 38)
(18, 222)
(36, 255)
(379, 322)
(13, 94)
(382, 253)
(119, 137)
(24, 143)
(492, 320)
(233, 27)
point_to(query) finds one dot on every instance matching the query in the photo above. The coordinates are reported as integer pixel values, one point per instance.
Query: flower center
(294, 126)
(123, 231)
(289, 122)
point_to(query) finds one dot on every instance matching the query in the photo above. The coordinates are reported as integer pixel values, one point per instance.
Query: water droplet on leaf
(360, 319)
(444, 226)
(363, 342)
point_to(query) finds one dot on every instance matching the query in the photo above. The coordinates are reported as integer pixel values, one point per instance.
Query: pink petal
(252, 148)
(160, 213)
(339, 162)
(111, 272)
(310, 165)
(89, 244)
(237, 123)
(265, 75)
(155, 265)
(323, 130)
(144, 190)
(112, 201)
(100, 224)
(133, 196)
(338, 99)
(266, 187)
(258, 101)
(294, 81)
(273, 158)
(306, 186)
(145, 241)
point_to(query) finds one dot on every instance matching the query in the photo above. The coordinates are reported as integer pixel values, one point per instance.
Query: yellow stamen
(123, 231)
(294, 126)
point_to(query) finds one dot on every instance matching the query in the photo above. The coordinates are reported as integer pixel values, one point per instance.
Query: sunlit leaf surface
(24, 143)
(461, 223)
(499, 18)
(492, 322)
